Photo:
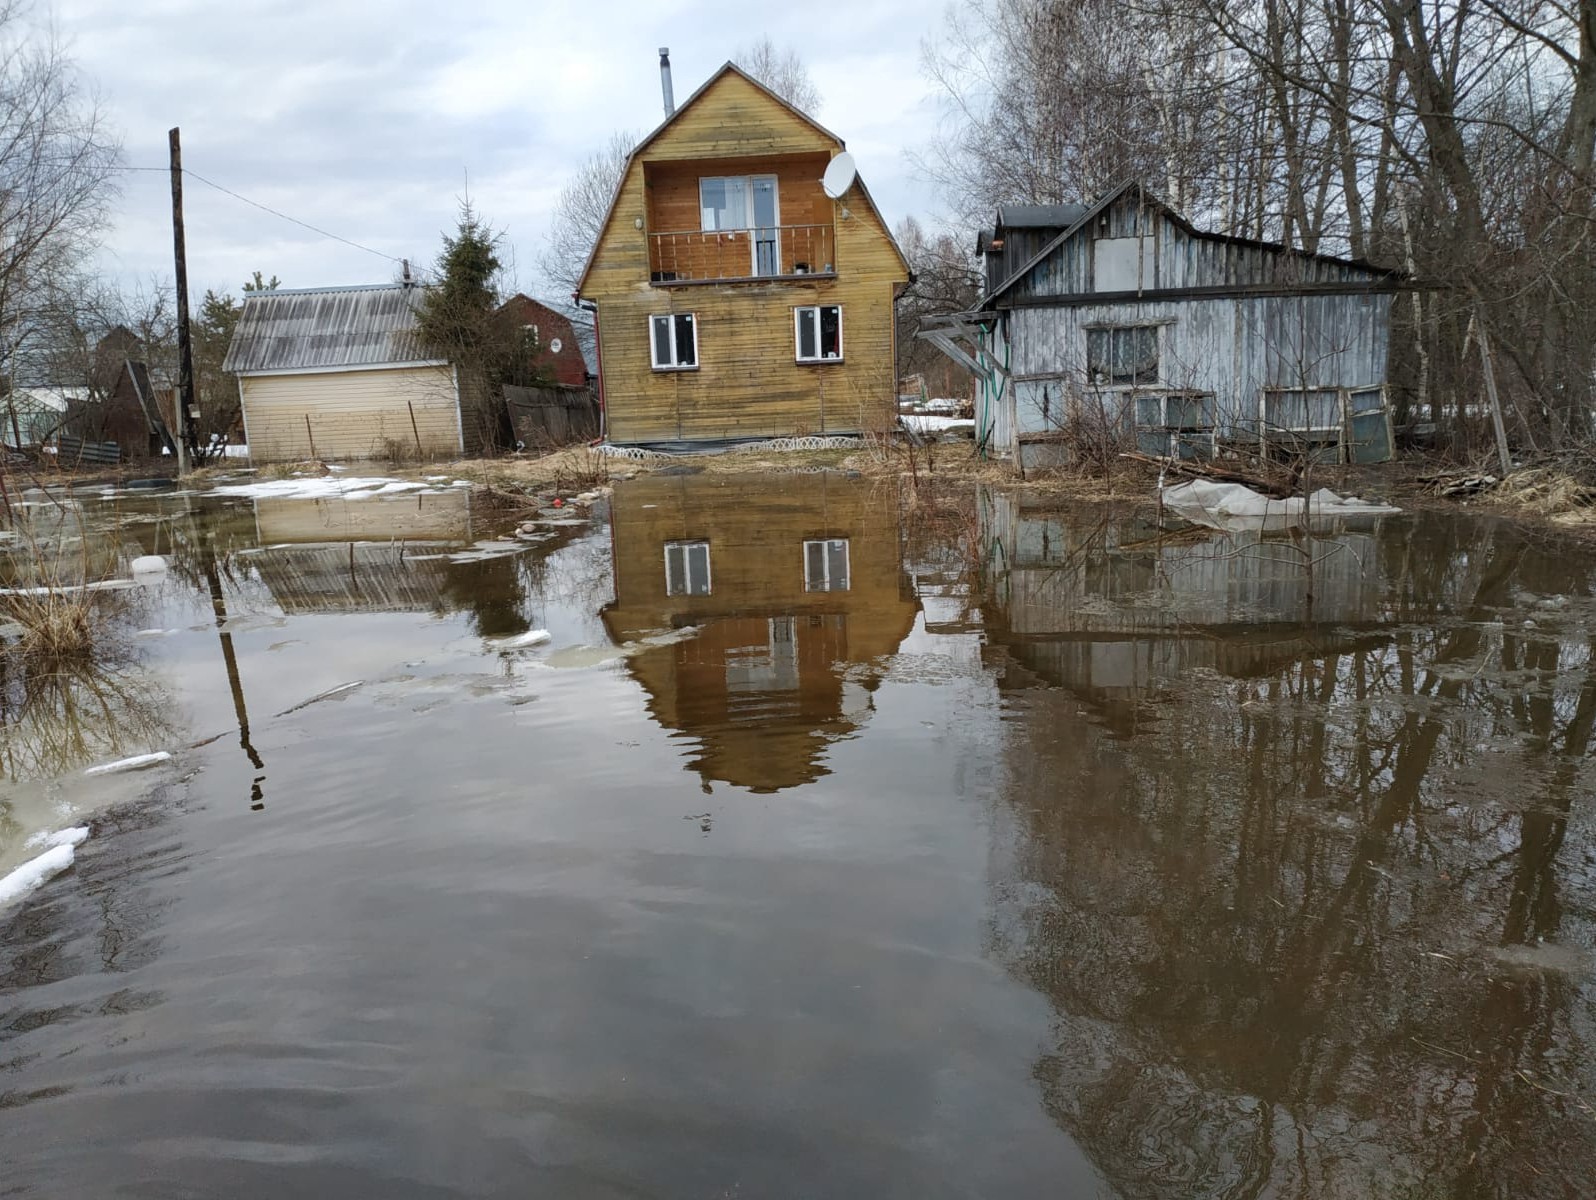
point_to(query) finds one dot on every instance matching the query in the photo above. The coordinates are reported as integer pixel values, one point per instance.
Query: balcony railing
(776, 252)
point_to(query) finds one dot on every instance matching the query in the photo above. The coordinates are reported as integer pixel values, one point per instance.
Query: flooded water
(833, 844)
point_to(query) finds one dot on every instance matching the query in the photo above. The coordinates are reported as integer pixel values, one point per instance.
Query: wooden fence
(70, 451)
(552, 415)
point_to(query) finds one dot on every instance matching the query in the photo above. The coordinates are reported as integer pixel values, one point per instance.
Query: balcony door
(745, 202)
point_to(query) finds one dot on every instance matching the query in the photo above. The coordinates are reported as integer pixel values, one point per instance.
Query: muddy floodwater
(833, 843)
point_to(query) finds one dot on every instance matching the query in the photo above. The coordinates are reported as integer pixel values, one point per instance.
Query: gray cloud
(367, 120)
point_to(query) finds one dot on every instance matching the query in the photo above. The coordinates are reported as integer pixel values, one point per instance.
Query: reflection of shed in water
(1112, 608)
(788, 582)
(429, 516)
(360, 555)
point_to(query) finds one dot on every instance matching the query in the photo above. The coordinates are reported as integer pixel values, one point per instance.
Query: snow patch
(1233, 507)
(533, 637)
(75, 836)
(138, 762)
(34, 872)
(324, 487)
(927, 424)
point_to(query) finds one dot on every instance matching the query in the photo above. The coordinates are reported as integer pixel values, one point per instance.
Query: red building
(557, 343)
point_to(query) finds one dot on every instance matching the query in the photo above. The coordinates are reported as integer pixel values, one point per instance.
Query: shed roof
(367, 326)
(1039, 216)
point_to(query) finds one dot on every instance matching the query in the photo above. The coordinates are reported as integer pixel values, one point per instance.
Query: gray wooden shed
(1122, 313)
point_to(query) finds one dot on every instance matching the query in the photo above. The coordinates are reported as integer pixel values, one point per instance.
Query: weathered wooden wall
(747, 383)
(1233, 348)
(552, 415)
(353, 414)
(1173, 258)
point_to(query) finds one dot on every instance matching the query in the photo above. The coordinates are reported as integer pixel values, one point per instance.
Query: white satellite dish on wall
(839, 176)
(556, 345)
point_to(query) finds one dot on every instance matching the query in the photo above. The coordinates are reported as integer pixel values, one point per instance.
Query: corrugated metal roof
(328, 327)
(1039, 216)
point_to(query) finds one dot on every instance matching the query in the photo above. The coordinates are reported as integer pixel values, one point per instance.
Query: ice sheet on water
(138, 762)
(532, 637)
(322, 487)
(34, 872)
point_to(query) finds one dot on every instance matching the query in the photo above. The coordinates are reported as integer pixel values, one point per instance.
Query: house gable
(1131, 245)
(732, 116)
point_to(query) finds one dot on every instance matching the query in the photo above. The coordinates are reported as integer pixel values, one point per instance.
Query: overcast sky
(364, 119)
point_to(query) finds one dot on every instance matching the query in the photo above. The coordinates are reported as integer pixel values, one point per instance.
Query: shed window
(674, 341)
(1122, 357)
(818, 332)
(826, 565)
(687, 569)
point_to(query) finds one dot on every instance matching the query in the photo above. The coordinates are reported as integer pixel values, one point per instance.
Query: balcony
(707, 256)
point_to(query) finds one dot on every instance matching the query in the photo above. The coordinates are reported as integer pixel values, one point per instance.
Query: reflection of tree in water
(1309, 933)
(56, 720)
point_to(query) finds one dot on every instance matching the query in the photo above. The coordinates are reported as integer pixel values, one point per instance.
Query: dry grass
(1549, 493)
(58, 624)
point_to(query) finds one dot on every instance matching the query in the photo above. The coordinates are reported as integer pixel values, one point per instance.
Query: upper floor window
(818, 331)
(826, 565)
(1122, 357)
(673, 341)
(687, 569)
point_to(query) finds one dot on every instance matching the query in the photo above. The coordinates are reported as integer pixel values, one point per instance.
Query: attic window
(1126, 357)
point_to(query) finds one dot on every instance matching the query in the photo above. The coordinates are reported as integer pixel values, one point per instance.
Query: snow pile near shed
(1235, 508)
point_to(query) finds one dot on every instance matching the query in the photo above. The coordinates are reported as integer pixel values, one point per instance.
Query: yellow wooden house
(734, 299)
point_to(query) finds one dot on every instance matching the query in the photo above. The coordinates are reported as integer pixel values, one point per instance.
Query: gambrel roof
(729, 69)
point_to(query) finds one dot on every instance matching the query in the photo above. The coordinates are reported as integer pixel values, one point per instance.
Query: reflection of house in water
(367, 555)
(1114, 608)
(788, 582)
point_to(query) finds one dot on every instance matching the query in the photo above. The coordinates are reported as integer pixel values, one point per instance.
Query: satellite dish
(556, 345)
(839, 176)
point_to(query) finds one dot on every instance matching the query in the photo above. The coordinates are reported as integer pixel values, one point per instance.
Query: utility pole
(185, 348)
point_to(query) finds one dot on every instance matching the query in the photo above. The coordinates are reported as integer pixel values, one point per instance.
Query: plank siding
(1231, 348)
(353, 414)
(748, 383)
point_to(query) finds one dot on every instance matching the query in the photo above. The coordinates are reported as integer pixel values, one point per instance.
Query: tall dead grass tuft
(1548, 492)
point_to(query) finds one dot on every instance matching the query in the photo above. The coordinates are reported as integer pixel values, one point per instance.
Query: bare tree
(945, 281)
(782, 71)
(57, 159)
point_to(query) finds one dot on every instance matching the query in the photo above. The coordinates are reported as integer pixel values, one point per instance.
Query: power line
(268, 209)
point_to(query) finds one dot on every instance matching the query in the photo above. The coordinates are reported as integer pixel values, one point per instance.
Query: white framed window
(673, 341)
(826, 565)
(1122, 357)
(817, 333)
(745, 202)
(687, 569)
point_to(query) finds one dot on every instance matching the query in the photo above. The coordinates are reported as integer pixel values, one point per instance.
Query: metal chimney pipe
(665, 79)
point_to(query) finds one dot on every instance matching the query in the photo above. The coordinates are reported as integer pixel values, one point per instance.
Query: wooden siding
(1231, 348)
(353, 414)
(1176, 259)
(747, 384)
(673, 199)
(750, 723)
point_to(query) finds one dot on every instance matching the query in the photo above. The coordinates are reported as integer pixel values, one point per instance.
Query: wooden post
(185, 348)
(311, 436)
(414, 430)
(1496, 403)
